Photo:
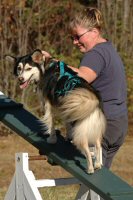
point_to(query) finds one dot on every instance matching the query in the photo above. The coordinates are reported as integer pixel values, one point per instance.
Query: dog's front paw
(52, 139)
(97, 165)
(90, 170)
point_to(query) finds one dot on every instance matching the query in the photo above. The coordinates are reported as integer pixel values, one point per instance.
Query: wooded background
(29, 24)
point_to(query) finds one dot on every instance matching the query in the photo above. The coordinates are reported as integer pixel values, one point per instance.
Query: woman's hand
(46, 55)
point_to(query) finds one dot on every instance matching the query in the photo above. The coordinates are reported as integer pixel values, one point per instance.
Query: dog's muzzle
(23, 84)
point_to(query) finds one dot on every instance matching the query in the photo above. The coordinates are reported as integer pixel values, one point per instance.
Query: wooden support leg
(83, 193)
(11, 190)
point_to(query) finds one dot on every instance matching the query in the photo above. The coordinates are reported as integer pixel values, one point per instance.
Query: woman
(102, 67)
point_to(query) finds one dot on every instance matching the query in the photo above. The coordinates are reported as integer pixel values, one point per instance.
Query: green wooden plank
(103, 181)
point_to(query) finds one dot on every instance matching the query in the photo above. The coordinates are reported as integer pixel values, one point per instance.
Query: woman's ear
(95, 30)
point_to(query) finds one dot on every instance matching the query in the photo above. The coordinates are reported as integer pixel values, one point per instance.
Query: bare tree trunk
(118, 17)
(125, 29)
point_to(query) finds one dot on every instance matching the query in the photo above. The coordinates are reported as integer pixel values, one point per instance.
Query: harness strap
(62, 70)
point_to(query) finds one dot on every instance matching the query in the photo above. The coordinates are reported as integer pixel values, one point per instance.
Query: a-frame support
(24, 186)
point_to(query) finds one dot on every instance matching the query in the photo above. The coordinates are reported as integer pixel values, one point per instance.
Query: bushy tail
(91, 128)
(78, 104)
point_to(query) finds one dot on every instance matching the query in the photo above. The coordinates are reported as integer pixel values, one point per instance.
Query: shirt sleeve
(94, 61)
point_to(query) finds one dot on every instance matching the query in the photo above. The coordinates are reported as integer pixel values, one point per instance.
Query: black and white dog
(76, 102)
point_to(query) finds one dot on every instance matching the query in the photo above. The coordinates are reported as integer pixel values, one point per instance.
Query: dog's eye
(28, 69)
(19, 68)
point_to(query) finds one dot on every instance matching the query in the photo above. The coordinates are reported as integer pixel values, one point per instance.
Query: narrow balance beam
(25, 124)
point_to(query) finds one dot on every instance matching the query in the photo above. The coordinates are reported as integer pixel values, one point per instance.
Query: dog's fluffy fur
(79, 106)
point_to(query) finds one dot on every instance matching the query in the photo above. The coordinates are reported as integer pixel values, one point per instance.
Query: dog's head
(28, 68)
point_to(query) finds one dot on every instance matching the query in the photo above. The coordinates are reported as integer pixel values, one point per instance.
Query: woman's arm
(85, 72)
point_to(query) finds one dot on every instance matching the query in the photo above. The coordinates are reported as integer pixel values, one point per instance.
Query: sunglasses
(77, 37)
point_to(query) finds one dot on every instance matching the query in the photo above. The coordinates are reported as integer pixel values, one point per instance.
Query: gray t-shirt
(110, 81)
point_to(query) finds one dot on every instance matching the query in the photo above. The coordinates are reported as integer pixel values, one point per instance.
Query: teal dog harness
(68, 80)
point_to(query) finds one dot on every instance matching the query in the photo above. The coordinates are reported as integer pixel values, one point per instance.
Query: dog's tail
(78, 104)
(92, 128)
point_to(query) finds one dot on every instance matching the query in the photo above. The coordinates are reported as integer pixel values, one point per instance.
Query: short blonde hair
(89, 18)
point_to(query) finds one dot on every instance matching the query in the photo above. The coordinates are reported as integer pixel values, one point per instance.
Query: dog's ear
(37, 56)
(11, 59)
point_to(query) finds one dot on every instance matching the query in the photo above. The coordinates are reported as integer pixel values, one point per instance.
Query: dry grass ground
(11, 144)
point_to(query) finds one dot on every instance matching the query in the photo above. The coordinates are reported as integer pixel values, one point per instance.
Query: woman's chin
(82, 50)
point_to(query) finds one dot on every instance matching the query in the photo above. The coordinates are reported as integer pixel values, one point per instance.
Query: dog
(74, 99)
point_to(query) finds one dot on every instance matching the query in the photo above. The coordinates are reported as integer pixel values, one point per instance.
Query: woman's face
(84, 39)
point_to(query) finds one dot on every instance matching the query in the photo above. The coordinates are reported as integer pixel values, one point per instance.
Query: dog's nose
(21, 79)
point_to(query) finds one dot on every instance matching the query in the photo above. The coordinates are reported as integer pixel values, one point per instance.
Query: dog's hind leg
(87, 153)
(98, 161)
(84, 148)
(49, 121)
(81, 142)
